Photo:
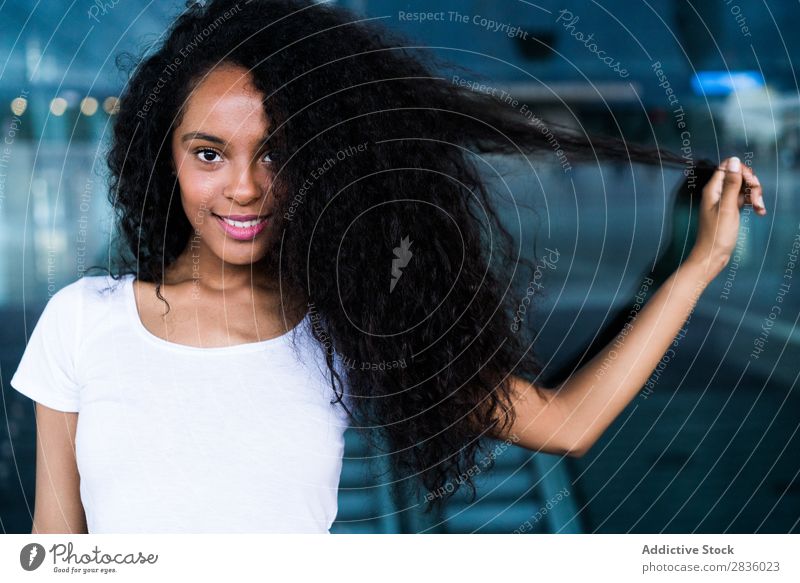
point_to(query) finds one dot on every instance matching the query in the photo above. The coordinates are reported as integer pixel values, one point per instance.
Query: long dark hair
(387, 226)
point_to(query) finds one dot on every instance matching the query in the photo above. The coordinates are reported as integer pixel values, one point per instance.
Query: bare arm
(590, 399)
(570, 418)
(58, 507)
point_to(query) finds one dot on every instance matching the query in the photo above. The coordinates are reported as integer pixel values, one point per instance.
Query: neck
(200, 265)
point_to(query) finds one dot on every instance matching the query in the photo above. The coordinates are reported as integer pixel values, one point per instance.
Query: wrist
(703, 269)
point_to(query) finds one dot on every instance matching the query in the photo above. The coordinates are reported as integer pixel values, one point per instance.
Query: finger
(713, 189)
(752, 187)
(746, 193)
(761, 206)
(731, 185)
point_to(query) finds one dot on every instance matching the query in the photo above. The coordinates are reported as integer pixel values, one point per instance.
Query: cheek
(197, 194)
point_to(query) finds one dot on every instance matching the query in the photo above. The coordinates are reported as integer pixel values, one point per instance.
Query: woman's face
(225, 168)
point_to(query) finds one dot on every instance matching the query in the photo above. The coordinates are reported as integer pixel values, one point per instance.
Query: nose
(248, 183)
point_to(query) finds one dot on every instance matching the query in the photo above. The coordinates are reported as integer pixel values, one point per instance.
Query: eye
(206, 154)
(273, 156)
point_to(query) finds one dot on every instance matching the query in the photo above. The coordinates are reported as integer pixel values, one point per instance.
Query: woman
(281, 170)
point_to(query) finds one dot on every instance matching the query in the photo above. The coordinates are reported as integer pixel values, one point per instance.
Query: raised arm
(569, 419)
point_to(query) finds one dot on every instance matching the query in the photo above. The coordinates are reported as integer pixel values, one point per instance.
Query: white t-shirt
(175, 438)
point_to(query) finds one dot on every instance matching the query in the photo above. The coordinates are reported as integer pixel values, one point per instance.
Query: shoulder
(101, 285)
(84, 297)
(96, 290)
(66, 301)
(89, 285)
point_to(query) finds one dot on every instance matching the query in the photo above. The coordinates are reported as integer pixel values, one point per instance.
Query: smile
(242, 230)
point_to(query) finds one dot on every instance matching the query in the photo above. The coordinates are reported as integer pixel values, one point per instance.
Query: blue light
(725, 82)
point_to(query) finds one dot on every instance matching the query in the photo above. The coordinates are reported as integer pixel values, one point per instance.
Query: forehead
(226, 101)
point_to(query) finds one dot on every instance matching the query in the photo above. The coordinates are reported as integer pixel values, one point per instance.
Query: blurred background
(709, 445)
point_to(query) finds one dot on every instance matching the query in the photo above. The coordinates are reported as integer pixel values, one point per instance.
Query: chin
(244, 260)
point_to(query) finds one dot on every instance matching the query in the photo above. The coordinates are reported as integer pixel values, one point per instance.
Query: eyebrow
(211, 138)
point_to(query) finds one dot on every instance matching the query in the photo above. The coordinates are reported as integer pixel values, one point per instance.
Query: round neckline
(133, 312)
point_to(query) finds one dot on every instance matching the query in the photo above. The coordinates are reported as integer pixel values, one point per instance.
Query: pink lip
(241, 234)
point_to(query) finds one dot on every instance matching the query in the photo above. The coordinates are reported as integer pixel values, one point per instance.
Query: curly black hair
(426, 358)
